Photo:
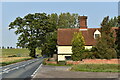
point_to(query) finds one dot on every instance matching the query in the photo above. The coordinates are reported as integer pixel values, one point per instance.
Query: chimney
(82, 21)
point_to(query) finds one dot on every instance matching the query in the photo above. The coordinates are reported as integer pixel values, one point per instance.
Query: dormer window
(97, 34)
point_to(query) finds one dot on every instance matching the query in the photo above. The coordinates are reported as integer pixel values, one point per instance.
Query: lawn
(97, 67)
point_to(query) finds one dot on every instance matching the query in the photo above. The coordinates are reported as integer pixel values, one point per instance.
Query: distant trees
(78, 46)
(8, 47)
(3, 47)
(106, 43)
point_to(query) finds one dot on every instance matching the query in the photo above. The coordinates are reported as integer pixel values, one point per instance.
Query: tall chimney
(83, 21)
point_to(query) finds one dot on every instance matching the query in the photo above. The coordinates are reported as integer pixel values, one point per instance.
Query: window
(68, 57)
(97, 36)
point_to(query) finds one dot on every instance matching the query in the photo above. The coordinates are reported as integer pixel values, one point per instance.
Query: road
(21, 70)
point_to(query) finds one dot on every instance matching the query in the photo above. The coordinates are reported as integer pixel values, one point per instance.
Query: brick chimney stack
(83, 21)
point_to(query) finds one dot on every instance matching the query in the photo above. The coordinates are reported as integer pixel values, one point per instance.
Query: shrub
(78, 46)
(44, 61)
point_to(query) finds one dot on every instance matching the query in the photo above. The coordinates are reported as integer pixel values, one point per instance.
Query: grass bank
(7, 61)
(96, 67)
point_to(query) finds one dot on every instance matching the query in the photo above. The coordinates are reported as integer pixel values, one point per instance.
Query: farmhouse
(65, 35)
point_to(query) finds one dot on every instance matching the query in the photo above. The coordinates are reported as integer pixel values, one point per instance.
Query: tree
(106, 43)
(32, 30)
(8, 47)
(67, 20)
(53, 18)
(114, 22)
(49, 48)
(78, 46)
(118, 39)
(3, 47)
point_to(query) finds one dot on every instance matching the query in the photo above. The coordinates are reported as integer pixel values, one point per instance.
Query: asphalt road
(22, 70)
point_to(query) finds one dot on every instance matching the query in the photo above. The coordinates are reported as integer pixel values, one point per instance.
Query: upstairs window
(97, 34)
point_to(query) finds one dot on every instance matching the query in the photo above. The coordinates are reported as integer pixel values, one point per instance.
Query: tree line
(8, 47)
(39, 30)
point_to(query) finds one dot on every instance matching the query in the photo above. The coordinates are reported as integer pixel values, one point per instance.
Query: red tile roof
(65, 35)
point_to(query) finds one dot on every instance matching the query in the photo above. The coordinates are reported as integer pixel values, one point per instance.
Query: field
(97, 67)
(17, 52)
(11, 60)
(10, 56)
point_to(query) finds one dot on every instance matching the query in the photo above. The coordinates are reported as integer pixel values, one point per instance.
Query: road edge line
(34, 74)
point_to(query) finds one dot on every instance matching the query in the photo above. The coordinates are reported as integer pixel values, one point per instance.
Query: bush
(90, 55)
(44, 61)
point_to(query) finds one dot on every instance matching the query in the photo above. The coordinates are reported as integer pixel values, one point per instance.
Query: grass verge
(14, 61)
(96, 67)
(58, 64)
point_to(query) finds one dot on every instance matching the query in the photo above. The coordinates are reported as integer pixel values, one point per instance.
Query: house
(65, 35)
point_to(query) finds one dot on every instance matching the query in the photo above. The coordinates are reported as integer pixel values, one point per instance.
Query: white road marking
(15, 63)
(7, 70)
(34, 74)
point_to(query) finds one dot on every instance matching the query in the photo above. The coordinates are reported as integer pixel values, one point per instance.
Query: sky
(95, 11)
